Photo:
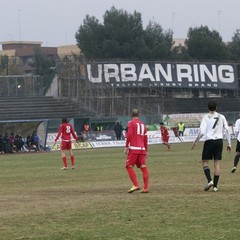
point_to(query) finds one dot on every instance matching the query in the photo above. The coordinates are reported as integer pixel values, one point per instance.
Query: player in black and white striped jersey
(213, 126)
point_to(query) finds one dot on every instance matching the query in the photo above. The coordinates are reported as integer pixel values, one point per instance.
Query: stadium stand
(39, 107)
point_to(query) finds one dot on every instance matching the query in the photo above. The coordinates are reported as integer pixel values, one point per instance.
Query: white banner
(154, 137)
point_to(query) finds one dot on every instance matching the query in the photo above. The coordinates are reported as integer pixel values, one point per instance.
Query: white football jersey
(213, 126)
(237, 126)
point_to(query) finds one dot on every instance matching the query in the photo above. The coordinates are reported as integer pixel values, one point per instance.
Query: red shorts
(138, 159)
(66, 145)
(165, 139)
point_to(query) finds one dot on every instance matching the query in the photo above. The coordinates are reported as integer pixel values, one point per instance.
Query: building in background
(22, 53)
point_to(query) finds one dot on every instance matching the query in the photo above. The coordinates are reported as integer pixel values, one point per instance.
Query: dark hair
(135, 112)
(212, 106)
(64, 120)
(161, 123)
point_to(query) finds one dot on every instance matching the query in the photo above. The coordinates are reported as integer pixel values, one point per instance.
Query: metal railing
(21, 85)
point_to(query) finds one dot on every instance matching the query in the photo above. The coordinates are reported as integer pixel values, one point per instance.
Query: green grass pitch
(41, 202)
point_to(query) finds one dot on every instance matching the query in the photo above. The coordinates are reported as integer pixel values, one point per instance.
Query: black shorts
(212, 149)
(238, 146)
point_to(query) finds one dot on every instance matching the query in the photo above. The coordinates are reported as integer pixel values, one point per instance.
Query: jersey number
(216, 121)
(68, 129)
(140, 129)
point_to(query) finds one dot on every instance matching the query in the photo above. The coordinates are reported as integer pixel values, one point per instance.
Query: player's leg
(145, 175)
(130, 162)
(217, 154)
(63, 154)
(216, 174)
(168, 145)
(72, 157)
(206, 170)
(206, 155)
(207, 173)
(235, 163)
(165, 142)
(132, 175)
(236, 158)
(141, 163)
(64, 159)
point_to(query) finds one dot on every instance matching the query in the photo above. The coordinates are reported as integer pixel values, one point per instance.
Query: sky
(55, 22)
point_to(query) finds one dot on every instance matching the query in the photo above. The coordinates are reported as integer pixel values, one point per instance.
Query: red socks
(145, 177)
(132, 176)
(64, 161)
(72, 160)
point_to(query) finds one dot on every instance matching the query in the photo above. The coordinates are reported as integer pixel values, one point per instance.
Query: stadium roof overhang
(25, 127)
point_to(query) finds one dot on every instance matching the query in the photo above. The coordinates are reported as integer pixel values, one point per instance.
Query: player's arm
(202, 130)
(74, 135)
(200, 134)
(146, 142)
(129, 134)
(167, 132)
(228, 135)
(237, 127)
(58, 135)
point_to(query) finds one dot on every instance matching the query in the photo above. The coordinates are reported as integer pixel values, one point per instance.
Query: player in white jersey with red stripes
(213, 126)
(237, 156)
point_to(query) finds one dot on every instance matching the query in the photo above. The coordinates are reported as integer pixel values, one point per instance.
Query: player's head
(161, 123)
(64, 120)
(212, 106)
(135, 113)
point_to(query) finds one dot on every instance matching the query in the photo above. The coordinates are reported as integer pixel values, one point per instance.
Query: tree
(158, 42)
(234, 46)
(122, 36)
(203, 44)
(180, 53)
(41, 63)
(43, 66)
(90, 36)
(4, 64)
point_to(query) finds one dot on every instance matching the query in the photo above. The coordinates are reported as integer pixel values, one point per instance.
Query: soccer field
(40, 201)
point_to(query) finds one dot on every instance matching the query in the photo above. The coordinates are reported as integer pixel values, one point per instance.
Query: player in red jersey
(66, 131)
(136, 150)
(165, 135)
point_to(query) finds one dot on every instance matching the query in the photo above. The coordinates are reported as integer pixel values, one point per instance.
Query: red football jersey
(137, 141)
(65, 131)
(164, 131)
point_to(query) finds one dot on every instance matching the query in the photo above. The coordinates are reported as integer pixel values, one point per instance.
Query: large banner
(180, 75)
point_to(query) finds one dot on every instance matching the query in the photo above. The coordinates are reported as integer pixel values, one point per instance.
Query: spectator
(11, 140)
(35, 141)
(118, 130)
(18, 142)
(181, 129)
(1, 144)
(7, 146)
(99, 128)
(86, 128)
(28, 141)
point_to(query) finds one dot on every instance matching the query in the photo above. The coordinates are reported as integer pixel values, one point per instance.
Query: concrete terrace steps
(40, 107)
